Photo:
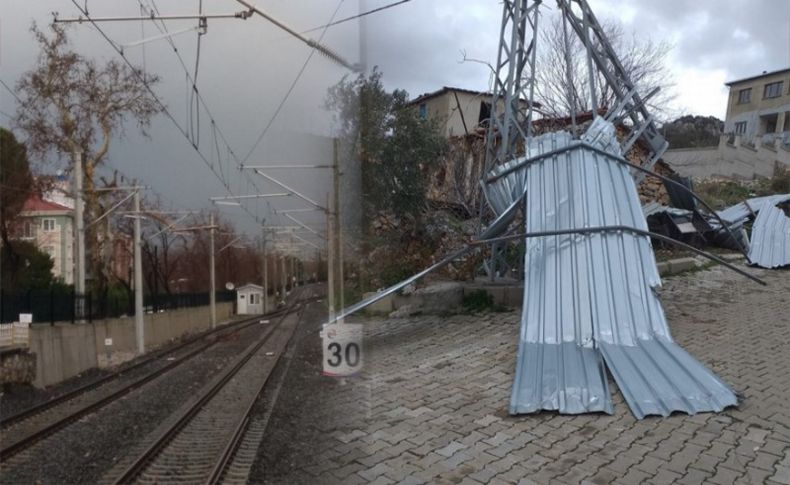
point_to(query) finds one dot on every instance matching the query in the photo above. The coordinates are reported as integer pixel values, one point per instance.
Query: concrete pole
(79, 233)
(363, 38)
(264, 271)
(212, 297)
(139, 324)
(330, 265)
(337, 228)
(283, 277)
(291, 260)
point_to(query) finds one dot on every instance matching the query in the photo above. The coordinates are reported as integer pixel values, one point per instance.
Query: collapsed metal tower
(514, 82)
(589, 289)
(590, 273)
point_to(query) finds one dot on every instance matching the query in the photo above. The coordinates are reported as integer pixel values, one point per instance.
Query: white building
(249, 300)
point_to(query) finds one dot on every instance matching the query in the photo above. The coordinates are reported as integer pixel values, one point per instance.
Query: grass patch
(480, 301)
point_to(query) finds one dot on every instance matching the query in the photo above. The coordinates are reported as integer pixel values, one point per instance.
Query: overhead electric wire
(353, 17)
(290, 89)
(13, 93)
(195, 92)
(165, 110)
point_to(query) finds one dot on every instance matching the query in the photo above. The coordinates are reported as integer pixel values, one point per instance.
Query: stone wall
(64, 350)
(732, 159)
(17, 366)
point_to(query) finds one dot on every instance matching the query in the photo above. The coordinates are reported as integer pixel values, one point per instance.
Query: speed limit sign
(342, 349)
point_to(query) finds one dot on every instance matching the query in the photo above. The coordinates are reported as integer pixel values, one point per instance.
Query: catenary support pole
(336, 226)
(212, 284)
(264, 270)
(139, 324)
(79, 233)
(330, 262)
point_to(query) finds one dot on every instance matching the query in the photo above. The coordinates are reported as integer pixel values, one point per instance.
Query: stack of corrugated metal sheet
(743, 210)
(590, 299)
(770, 238)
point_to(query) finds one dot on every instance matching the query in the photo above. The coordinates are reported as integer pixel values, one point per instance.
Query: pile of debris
(684, 220)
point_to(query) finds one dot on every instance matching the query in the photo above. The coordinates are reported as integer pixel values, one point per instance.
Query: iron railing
(50, 306)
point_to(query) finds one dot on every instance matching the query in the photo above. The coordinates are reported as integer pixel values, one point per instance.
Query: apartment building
(758, 109)
(756, 137)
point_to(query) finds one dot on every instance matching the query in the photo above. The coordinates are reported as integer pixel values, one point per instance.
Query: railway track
(209, 436)
(23, 430)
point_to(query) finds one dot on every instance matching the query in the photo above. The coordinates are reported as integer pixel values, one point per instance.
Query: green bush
(480, 301)
(722, 194)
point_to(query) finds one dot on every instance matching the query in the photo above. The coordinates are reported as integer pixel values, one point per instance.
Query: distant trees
(23, 265)
(71, 103)
(396, 148)
(693, 131)
(16, 181)
(644, 61)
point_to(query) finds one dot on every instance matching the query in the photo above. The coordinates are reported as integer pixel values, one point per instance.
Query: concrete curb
(681, 265)
(510, 296)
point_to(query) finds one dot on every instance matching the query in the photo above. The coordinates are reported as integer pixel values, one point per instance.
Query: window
(773, 90)
(48, 225)
(745, 96)
(423, 111)
(485, 112)
(740, 128)
(252, 298)
(29, 230)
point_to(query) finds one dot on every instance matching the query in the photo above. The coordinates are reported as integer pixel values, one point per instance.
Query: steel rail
(160, 443)
(225, 459)
(39, 408)
(28, 441)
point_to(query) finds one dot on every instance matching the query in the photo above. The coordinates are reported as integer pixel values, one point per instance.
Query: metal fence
(50, 306)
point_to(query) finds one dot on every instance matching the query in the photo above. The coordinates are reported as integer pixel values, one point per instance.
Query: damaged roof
(770, 245)
(590, 300)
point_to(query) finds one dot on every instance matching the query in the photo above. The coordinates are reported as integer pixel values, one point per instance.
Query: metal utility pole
(330, 262)
(514, 85)
(79, 233)
(212, 285)
(139, 324)
(283, 277)
(264, 270)
(336, 227)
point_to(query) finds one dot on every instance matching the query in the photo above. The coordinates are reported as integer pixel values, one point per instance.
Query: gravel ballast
(82, 452)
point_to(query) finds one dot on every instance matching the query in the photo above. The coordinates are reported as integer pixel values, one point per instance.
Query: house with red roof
(50, 226)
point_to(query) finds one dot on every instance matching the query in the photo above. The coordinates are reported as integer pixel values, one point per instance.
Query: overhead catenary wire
(354, 17)
(290, 90)
(194, 95)
(165, 109)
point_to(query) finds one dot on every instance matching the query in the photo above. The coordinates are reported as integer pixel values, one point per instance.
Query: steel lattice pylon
(514, 81)
(512, 105)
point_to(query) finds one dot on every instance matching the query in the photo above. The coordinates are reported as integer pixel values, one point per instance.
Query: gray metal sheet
(586, 291)
(655, 208)
(561, 377)
(660, 377)
(770, 247)
(741, 210)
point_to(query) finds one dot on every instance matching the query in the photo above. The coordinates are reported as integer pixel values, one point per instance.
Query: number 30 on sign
(342, 349)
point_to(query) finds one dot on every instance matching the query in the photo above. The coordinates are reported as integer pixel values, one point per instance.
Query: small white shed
(249, 300)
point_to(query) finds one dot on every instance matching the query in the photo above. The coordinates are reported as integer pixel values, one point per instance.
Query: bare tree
(70, 103)
(643, 59)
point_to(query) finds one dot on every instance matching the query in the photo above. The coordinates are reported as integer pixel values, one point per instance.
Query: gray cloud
(246, 68)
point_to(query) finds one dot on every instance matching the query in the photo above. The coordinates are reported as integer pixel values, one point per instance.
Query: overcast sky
(246, 68)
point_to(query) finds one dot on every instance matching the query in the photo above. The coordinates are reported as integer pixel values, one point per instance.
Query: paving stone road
(431, 406)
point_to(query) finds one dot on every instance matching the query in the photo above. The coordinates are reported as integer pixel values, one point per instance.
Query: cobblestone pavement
(432, 405)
